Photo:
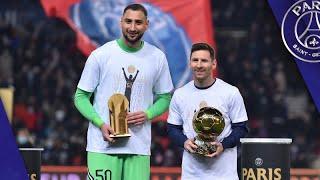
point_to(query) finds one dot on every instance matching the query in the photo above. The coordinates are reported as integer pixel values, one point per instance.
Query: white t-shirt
(228, 100)
(147, 73)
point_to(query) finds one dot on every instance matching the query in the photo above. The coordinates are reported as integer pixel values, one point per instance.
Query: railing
(157, 173)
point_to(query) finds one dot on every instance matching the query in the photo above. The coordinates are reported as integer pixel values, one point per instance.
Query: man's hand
(219, 149)
(190, 146)
(136, 118)
(106, 130)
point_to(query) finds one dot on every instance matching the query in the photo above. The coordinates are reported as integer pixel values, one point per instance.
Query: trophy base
(204, 148)
(120, 135)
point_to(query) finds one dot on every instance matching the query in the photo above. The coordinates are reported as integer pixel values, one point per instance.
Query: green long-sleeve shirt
(83, 104)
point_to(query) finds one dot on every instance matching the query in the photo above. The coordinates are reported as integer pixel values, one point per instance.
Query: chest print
(191, 114)
(129, 81)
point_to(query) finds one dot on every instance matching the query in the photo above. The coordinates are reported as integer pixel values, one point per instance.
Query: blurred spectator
(24, 138)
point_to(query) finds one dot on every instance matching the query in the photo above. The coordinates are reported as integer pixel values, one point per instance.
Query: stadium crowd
(38, 57)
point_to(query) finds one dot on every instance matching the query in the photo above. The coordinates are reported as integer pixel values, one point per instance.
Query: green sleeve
(84, 106)
(160, 106)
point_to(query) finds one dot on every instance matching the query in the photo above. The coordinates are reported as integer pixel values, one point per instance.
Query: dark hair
(136, 7)
(203, 46)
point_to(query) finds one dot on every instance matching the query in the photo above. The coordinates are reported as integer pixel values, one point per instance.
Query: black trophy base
(120, 135)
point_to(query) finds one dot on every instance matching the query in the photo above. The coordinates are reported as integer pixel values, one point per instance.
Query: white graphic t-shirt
(228, 100)
(137, 75)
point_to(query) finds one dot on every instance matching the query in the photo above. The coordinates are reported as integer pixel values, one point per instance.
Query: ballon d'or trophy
(208, 123)
(118, 107)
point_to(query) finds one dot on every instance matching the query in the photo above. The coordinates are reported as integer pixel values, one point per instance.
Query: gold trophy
(118, 107)
(208, 123)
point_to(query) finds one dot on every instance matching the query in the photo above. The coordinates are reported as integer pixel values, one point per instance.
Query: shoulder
(153, 49)
(184, 90)
(226, 87)
(104, 50)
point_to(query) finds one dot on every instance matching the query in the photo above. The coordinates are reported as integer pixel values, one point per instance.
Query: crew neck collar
(206, 87)
(126, 48)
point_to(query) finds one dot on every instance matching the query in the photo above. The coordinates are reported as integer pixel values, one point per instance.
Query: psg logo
(258, 161)
(300, 30)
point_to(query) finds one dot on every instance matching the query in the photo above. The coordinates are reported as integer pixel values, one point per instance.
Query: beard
(204, 75)
(132, 41)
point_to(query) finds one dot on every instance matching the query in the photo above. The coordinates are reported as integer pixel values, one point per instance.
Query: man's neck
(205, 83)
(123, 45)
(132, 45)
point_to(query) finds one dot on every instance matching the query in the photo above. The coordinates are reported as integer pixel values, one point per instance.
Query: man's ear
(214, 64)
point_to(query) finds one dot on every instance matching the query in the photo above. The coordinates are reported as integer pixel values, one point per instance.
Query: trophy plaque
(208, 123)
(118, 107)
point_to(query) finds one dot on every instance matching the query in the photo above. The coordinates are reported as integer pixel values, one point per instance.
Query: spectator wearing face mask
(24, 138)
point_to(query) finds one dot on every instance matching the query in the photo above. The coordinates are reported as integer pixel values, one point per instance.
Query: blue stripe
(11, 164)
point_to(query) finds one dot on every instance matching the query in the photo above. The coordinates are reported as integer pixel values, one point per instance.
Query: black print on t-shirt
(129, 83)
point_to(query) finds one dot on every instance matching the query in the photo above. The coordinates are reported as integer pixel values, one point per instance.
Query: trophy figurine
(208, 123)
(118, 107)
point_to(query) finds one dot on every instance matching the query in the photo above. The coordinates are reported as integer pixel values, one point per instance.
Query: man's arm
(239, 117)
(175, 122)
(160, 106)
(175, 126)
(84, 106)
(82, 103)
(124, 73)
(176, 135)
(239, 130)
(162, 87)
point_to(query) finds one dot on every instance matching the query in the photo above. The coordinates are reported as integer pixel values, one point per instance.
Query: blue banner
(11, 162)
(300, 31)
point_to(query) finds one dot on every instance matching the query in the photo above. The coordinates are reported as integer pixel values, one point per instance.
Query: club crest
(300, 30)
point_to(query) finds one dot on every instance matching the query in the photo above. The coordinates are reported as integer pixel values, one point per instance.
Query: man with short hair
(207, 91)
(137, 70)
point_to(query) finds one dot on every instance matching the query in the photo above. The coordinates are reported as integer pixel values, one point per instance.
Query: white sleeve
(237, 108)
(90, 75)
(174, 116)
(164, 82)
